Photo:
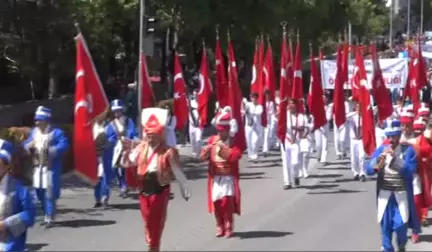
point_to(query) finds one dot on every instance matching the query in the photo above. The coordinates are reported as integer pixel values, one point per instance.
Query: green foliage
(42, 33)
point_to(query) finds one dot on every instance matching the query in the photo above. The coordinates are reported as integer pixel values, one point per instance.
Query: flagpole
(140, 62)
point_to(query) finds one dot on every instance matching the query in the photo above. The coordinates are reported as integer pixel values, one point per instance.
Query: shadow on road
(322, 176)
(426, 238)
(84, 223)
(261, 234)
(35, 246)
(339, 191)
(318, 186)
(127, 206)
(339, 168)
(268, 160)
(89, 211)
(257, 165)
(195, 173)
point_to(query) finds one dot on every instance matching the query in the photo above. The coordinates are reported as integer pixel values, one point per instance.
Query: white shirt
(223, 185)
(193, 112)
(379, 136)
(354, 124)
(120, 124)
(254, 114)
(271, 111)
(3, 192)
(298, 120)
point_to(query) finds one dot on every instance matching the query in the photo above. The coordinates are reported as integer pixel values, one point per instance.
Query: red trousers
(154, 210)
(421, 210)
(224, 211)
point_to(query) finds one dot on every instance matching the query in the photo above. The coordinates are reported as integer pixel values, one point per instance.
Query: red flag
(315, 97)
(254, 88)
(90, 101)
(145, 86)
(417, 76)
(290, 69)
(356, 78)
(366, 113)
(338, 96)
(298, 79)
(180, 108)
(380, 92)
(235, 99)
(268, 83)
(221, 78)
(283, 94)
(261, 58)
(204, 91)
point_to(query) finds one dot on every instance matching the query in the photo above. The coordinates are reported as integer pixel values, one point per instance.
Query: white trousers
(321, 140)
(357, 156)
(253, 139)
(269, 137)
(291, 165)
(304, 164)
(195, 134)
(341, 139)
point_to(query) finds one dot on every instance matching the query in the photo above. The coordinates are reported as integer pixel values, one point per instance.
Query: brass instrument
(382, 158)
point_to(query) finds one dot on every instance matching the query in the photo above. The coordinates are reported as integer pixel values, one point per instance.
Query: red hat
(223, 121)
(423, 111)
(419, 124)
(407, 116)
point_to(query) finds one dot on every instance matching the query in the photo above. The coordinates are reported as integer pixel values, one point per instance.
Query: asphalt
(329, 212)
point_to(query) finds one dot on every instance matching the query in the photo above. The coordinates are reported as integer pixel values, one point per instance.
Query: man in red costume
(157, 165)
(422, 182)
(223, 176)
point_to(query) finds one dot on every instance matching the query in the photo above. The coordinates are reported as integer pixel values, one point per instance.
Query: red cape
(234, 159)
(423, 149)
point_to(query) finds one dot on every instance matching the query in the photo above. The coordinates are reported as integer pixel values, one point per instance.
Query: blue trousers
(102, 189)
(121, 177)
(387, 236)
(48, 203)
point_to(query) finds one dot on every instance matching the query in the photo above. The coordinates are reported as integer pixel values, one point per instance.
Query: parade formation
(386, 141)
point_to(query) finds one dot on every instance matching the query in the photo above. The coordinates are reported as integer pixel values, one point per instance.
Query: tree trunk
(53, 81)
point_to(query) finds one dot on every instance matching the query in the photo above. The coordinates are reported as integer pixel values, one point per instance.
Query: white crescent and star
(84, 103)
(202, 84)
(253, 75)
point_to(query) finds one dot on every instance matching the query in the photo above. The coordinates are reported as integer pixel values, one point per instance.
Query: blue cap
(392, 128)
(6, 151)
(117, 105)
(42, 114)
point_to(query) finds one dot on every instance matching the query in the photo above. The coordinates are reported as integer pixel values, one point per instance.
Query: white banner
(395, 72)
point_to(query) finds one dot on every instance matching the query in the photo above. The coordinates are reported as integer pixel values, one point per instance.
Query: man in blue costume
(17, 207)
(121, 129)
(47, 145)
(395, 165)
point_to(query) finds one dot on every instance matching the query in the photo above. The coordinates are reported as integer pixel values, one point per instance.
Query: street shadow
(323, 176)
(84, 223)
(195, 173)
(74, 182)
(338, 162)
(89, 211)
(261, 234)
(339, 191)
(35, 246)
(426, 238)
(268, 160)
(243, 174)
(257, 165)
(252, 178)
(135, 196)
(127, 206)
(318, 186)
(339, 168)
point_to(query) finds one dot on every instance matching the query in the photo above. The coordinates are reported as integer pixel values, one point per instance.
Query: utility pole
(421, 15)
(391, 25)
(140, 62)
(409, 20)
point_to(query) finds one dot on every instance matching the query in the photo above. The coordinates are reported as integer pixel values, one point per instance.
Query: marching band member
(102, 188)
(47, 145)
(407, 120)
(158, 164)
(170, 135)
(321, 135)
(422, 178)
(118, 131)
(16, 203)
(253, 126)
(195, 131)
(397, 108)
(357, 154)
(340, 135)
(305, 147)
(223, 176)
(395, 170)
(295, 127)
(269, 131)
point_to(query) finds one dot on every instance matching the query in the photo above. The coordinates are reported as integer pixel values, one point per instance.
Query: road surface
(330, 212)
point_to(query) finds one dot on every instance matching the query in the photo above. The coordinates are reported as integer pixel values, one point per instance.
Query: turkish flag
(235, 99)
(338, 96)
(355, 80)
(145, 91)
(180, 108)
(380, 92)
(315, 97)
(254, 88)
(204, 91)
(290, 69)
(283, 93)
(298, 80)
(366, 113)
(417, 76)
(90, 101)
(221, 78)
(268, 83)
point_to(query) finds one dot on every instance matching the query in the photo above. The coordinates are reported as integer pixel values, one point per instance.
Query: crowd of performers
(402, 163)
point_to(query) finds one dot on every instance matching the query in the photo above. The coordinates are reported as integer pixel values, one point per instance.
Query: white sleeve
(173, 123)
(259, 110)
(178, 173)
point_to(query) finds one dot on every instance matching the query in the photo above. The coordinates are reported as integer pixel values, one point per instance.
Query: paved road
(330, 212)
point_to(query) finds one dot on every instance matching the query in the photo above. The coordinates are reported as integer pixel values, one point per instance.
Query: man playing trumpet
(223, 175)
(395, 169)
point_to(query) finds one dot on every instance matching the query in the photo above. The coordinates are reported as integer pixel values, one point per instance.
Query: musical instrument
(383, 158)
